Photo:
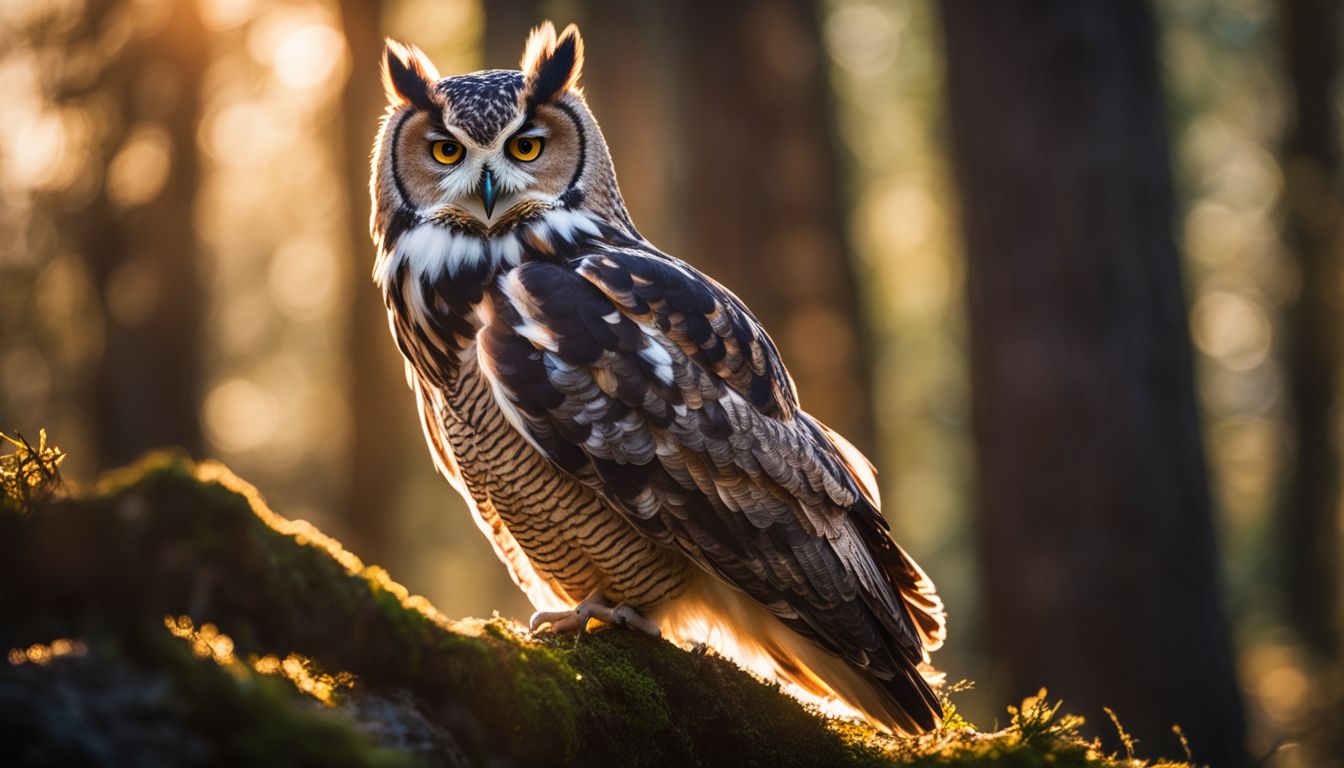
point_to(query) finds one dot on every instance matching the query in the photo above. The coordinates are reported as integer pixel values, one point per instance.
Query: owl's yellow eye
(447, 152)
(525, 148)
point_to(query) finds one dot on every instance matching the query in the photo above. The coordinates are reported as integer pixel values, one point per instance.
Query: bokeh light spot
(862, 38)
(304, 276)
(1231, 328)
(44, 653)
(223, 15)
(141, 167)
(240, 416)
(308, 56)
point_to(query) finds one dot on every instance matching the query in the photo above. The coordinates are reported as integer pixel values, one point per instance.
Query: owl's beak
(488, 192)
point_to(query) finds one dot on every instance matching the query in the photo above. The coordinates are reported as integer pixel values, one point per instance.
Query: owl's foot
(593, 607)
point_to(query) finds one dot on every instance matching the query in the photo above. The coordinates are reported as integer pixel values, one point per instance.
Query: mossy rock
(197, 627)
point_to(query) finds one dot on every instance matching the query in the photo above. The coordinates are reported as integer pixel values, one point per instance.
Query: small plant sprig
(29, 473)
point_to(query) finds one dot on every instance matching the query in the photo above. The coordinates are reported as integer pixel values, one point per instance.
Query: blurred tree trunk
(1100, 568)
(382, 417)
(138, 240)
(507, 23)
(1314, 192)
(627, 83)
(757, 196)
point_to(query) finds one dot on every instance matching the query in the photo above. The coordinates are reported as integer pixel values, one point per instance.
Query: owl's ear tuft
(408, 75)
(551, 65)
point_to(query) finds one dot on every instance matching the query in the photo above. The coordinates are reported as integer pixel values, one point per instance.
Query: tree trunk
(757, 194)
(140, 247)
(383, 422)
(1314, 192)
(1100, 569)
(628, 79)
(507, 23)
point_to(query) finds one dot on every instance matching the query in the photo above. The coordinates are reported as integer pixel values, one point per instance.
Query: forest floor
(166, 616)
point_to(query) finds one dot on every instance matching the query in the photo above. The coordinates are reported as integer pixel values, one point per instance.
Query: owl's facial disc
(526, 167)
(444, 167)
(486, 146)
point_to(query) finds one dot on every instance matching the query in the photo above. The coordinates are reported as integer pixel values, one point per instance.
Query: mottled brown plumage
(622, 427)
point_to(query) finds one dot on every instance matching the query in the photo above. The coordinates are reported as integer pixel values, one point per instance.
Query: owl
(620, 425)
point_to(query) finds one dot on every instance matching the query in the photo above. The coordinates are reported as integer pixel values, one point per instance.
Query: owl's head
(484, 150)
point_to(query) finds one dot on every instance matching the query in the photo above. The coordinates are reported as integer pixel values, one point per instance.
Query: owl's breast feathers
(653, 384)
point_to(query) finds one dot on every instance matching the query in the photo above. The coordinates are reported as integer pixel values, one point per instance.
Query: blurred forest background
(1069, 272)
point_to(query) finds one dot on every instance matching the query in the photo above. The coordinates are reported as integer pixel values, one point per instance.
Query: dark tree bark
(757, 194)
(1100, 569)
(507, 23)
(1314, 192)
(143, 253)
(384, 431)
(628, 81)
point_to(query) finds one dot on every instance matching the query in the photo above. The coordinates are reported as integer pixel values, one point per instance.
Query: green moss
(256, 721)
(169, 537)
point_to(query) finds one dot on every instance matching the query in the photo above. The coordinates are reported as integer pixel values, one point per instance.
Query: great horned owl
(620, 425)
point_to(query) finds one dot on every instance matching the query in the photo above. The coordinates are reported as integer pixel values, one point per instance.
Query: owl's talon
(557, 622)
(571, 621)
(594, 607)
(625, 616)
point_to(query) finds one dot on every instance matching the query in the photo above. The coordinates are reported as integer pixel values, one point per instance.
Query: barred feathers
(619, 423)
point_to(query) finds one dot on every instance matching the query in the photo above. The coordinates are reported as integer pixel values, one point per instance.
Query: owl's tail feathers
(732, 623)
(904, 702)
(921, 599)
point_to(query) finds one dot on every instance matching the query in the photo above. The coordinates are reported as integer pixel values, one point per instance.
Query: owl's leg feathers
(595, 606)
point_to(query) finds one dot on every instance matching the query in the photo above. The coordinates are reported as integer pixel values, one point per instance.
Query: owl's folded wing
(655, 384)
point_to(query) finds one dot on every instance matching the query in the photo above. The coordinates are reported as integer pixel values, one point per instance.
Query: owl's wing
(655, 384)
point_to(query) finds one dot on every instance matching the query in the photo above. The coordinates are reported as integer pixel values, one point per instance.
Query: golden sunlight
(45, 653)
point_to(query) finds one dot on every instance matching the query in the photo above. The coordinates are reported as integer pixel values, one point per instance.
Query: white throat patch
(430, 249)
